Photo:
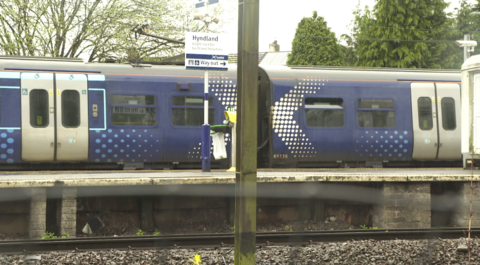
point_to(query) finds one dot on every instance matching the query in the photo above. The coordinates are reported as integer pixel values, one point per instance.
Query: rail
(225, 240)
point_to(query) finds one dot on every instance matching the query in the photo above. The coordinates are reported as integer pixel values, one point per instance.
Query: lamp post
(468, 46)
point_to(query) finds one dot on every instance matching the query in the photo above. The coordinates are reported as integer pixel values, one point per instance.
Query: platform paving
(24, 179)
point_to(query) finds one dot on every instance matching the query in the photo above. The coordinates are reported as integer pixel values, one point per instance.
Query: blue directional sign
(206, 62)
(206, 51)
(201, 3)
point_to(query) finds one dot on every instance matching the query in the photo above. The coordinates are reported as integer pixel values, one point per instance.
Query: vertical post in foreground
(205, 130)
(247, 109)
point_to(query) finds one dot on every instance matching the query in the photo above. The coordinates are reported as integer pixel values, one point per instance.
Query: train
(58, 112)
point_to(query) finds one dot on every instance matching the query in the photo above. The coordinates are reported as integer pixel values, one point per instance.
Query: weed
(366, 227)
(140, 232)
(52, 235)
(156, 233)
(196, 260)
(49, 235)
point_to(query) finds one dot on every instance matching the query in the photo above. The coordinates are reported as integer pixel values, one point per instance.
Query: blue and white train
(57, 112)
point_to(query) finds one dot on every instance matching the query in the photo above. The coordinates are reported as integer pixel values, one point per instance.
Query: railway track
(224, 240)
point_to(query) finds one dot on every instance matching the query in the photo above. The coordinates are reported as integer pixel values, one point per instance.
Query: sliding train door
(449, 111)
(54, 117)
(435, 118)
(38, 117)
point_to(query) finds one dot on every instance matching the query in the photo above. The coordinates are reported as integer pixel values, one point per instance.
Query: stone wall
(403, 205)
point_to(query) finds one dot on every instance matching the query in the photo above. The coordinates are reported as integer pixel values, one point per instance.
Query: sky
(279, 18)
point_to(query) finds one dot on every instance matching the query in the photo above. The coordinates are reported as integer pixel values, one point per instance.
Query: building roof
(275, 58)
(265, 58)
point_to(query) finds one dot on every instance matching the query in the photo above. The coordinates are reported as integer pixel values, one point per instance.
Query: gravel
(398, 252)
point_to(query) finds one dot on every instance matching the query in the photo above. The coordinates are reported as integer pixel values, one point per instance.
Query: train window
(425, 118)
(70, 108)
(375, 103)
(133, 110)
(324, 112)
(190, 101)
(133, 100)
(448, 114)
(376, 113)
(39, 108)
(188, 111)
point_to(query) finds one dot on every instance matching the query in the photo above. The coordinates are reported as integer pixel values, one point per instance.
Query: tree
(468, 21)
(407, 34)
(315, 44)
(93, 29)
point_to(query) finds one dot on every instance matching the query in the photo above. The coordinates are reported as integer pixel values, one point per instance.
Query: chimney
(274, 47)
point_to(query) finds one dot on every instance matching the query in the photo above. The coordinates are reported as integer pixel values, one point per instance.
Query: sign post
(206, 51)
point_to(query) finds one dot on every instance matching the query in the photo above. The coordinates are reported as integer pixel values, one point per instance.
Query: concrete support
(403, 205)
(231, 211)
(318, 210)
(147, 214)
(462, 209)
(68, 220)
(38, 213)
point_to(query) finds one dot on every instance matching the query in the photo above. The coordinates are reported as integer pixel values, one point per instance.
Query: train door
(435, 114)
(448, 105)
(54, 117)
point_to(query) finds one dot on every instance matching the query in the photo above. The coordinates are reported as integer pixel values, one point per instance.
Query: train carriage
(365, 117)
(57, 112)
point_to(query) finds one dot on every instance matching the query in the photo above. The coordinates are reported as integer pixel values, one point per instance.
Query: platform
(37, 201)
(30, 179)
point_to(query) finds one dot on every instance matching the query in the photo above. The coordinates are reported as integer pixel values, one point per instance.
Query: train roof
(275, 73)
(472, 62)
(78, 66)
(331, 73)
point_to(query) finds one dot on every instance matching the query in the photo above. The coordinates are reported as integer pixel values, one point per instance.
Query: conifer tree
(407, 34)
(315, 44)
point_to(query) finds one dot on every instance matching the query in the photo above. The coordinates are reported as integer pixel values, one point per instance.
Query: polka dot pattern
(124, 145)
(286, 127)
(384, 145)
(225, 91)
(10, 149)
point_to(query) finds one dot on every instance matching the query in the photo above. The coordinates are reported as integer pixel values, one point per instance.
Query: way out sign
(206, 51)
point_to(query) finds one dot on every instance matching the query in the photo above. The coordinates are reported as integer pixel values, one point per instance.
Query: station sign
(206, 51)
(201, 3)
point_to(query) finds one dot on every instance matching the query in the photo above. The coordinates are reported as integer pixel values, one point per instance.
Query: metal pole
(247, 110)
(234, 146)
(465, 48)
(206, 127)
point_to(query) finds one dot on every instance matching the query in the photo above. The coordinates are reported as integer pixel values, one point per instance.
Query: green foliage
(49, 235)
(406, 34)
(468, 21)
(288, 228)
(156, 233)
(315, 44)
(366, 227)
(140, 232)
(100, 29)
